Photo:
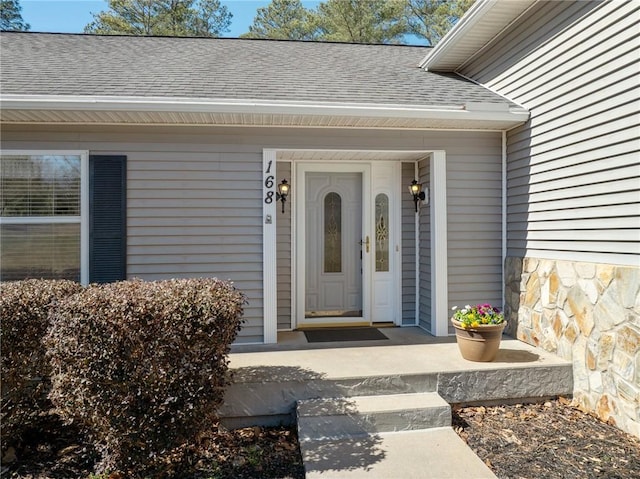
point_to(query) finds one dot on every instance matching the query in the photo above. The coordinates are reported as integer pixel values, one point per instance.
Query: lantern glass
(283, 188)
(415, 188)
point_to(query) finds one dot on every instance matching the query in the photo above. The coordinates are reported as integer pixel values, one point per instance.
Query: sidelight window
(382, 232)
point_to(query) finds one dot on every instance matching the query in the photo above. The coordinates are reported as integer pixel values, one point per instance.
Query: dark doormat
(343, 334)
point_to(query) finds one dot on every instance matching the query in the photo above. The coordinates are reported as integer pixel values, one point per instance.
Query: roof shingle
(234, 69)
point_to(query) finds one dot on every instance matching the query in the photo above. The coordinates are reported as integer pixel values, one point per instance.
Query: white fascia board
(472, 16)
(142, 104)
(205, 105)
(494, 15)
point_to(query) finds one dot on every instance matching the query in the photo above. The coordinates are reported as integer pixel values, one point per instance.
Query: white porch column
(439, 253)
(269, 272)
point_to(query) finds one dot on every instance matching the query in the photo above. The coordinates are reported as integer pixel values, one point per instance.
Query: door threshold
(360, 324)
(333, 314)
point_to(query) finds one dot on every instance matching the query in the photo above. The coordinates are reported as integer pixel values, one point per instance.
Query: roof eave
(256, 112)
(494, 15)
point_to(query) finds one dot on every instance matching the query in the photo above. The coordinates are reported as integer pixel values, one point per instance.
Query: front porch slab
(268, 384)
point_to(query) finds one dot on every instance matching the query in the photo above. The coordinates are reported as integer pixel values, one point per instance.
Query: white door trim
(300, 228)
(438, 203)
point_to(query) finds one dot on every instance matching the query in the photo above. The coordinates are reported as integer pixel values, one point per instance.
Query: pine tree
(162, 17)
(361, 21)
(283, 20)
(211, 19)
(11, 16)
(358, 21)
(432, 19)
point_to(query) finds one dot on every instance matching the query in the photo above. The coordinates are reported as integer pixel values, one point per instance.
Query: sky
(71, 16)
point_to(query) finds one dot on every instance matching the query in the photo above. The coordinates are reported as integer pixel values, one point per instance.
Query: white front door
(347, 237)
(333, 259)
(333, 282)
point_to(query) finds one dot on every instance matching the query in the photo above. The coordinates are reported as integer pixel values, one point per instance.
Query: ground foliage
(538, 441)
(57, 451)
(552, 440)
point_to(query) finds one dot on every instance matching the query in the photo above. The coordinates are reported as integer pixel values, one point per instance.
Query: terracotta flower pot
(481, 343)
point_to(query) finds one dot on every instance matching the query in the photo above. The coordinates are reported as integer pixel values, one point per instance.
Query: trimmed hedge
(142, 366)
(24, 308)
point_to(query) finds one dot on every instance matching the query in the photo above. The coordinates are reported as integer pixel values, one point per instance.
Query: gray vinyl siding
(573, 169)
(424, 218)
(408, 249)
(197, 213)
(474, 227)
(283, 251)
(194, 204)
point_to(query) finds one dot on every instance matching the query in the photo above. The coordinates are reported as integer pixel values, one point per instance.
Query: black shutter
(107, 218)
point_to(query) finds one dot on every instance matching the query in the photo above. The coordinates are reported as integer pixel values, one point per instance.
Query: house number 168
(269, 183)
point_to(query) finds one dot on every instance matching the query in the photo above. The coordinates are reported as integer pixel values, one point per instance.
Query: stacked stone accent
(589, 314)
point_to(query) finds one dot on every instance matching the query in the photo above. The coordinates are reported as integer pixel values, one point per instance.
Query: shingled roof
(65, 65)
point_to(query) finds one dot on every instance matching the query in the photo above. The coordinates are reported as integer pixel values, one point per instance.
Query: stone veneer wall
(589, 314)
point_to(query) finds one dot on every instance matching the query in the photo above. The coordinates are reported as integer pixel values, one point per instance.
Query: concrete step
(432, 453)
(267, 385)
(352, 417)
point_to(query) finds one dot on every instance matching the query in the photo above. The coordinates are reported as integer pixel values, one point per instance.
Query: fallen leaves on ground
(550, 440)
(247, 453)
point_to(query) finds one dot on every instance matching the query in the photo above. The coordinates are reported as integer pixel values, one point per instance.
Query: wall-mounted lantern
(415, 189)
(283, 192)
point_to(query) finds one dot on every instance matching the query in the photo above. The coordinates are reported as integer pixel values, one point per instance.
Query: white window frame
(83, 219)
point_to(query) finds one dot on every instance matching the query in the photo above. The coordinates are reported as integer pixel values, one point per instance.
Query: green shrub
(142, 366)
(24, 306)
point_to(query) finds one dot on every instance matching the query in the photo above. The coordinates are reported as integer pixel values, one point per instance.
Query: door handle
(365, 243)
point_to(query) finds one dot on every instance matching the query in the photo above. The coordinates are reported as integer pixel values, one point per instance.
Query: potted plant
(478, 331)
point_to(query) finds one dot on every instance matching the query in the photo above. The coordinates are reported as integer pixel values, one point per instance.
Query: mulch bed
(55, 451)
(550, 440)
(523, 441)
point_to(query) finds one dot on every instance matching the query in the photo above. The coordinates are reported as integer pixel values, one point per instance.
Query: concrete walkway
(428, 454)
(272, 382)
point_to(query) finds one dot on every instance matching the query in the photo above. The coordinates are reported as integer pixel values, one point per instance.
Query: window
(332, 233)
(382, 232)
(43, 215)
